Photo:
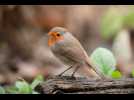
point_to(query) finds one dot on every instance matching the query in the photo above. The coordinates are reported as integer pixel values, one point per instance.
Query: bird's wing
(73, 50)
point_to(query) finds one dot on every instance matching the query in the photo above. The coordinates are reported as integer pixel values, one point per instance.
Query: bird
(68, 49)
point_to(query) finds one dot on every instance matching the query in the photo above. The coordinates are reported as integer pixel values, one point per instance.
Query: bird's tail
(96, 69)
(88, 72)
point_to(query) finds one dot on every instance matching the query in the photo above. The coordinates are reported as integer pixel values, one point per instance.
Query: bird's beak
(51, 39)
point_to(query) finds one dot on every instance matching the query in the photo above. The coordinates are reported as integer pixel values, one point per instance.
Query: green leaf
(37, 81)
(11, 90)
(104, 59)
(112, 22)
(133, 73)
(23, 87)
(2, 90)
(116, 74)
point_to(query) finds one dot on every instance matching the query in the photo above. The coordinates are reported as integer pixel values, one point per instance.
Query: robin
(69, 50)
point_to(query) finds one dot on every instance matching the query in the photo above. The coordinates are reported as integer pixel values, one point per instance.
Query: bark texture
(79, 85)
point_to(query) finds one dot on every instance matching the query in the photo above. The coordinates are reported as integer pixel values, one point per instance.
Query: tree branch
(79, 85)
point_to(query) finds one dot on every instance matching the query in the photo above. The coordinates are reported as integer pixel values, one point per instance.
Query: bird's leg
(75, 70)
(65, 71)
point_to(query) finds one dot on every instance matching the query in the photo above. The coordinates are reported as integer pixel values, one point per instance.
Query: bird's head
(56, 34)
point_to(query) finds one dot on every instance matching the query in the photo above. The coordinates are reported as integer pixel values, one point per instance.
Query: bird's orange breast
(53, 38)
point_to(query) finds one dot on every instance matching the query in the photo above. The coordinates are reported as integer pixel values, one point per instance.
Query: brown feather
(70, 51)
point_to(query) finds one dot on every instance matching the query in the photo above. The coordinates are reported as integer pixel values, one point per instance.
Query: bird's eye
(58, 34)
